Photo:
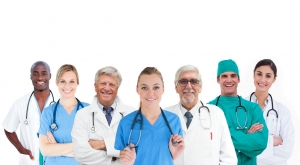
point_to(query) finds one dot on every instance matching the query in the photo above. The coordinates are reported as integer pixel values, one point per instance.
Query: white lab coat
(280, 154)
(202, 147)
(28, 133)
(81, 133)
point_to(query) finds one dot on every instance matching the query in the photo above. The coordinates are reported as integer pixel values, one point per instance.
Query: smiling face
(40, 76)
(106, 88)
(263, 78)
(228, 82)
(67, 84)
(188, 91)
(150, 88)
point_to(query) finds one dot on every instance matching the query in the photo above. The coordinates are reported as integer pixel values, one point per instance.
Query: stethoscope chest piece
(53, 126)
(26, 122)
(93, 129)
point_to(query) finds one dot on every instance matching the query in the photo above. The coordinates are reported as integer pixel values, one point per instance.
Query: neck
(44, 94)
(150, 112)
(261, 97)
(68, 102)
(188, 106)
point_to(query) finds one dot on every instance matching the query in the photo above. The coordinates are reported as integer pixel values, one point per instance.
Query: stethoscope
(199, 110)
(26, 122)
(135, 120)
(272, 109)
(93, 128)
(54, 126)
(236, 113)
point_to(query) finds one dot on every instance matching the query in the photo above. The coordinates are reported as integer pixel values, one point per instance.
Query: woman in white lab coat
(277, 116)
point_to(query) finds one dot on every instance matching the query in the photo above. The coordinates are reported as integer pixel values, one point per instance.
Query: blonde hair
(66, 68)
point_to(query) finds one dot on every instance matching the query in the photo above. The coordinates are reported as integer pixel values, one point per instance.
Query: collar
(193, 110)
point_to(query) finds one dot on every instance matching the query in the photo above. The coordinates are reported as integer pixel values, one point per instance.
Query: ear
(95, 86)
(218, 80)
(137, 90)
(50, 76)
(239, 80)
(176, 88)
(200, 89)
(274, 79)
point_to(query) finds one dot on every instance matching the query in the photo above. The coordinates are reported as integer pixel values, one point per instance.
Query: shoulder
(213, 101)
(85, 104)
(171, 108)
(281, 107)
(170, 115)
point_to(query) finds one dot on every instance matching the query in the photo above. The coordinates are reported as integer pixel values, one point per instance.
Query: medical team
(228, 130)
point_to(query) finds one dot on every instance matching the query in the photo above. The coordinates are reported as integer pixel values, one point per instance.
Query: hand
(97, 144)
(51, 138)
(176, 150)
(277, 141)
(127, 156)
(255, 128)
(27, 152)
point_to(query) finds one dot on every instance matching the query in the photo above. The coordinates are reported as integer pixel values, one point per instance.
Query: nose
(188, 85)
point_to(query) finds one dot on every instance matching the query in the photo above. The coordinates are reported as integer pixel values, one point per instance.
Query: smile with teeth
(263, 85)
(229, 85)
(40, 82)
(150, 99)
(106, 93)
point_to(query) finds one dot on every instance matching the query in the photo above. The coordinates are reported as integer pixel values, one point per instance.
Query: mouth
(228, 85)
(67, 91)
(262, 85)
(106, 94)
(188, 91)
(151, 99)
(40, 82)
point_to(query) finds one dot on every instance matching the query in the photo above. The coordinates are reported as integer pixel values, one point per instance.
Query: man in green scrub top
(245, 120)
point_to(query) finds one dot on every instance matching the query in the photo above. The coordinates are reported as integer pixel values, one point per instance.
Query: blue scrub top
(154, 142)
(64, 123)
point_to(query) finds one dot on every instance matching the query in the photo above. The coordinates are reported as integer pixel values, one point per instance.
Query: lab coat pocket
(25, 159)
(207, 143)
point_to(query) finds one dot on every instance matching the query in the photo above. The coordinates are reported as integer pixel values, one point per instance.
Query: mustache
(188, 91)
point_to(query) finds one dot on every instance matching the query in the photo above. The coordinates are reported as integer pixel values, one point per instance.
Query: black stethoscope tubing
(26, 120)
(236, 112)
(272, 109)
(54, 126)
(93, 128)
(135, 120)
(199, 110)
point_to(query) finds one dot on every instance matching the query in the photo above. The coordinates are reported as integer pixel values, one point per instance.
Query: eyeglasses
(183, 82)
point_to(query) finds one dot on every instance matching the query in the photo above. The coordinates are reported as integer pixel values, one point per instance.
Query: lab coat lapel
(98, 112)
(117, 113)
(179, 114)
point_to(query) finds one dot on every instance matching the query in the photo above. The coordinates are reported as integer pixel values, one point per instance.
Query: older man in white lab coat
(206, 134)
(95, 126)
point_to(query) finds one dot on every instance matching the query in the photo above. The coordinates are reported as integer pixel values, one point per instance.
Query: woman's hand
(176, 150)
(128, 156)
(51, 138)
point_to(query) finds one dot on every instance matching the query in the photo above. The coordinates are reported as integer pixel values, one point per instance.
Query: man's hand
(97, 144)
(277, 141)
(255, 128)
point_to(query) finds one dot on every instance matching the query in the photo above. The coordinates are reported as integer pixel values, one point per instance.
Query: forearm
(54, 149)
(13, 138)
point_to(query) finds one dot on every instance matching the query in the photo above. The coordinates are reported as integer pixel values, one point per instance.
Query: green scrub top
(247, 146)
(41, 159)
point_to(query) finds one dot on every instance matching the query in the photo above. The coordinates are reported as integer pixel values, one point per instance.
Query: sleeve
(12, 120)
(251, 144)
(283, 152)
(227, 152)
(120, 141)
(82, 150)
(45, 121)
(110, 150)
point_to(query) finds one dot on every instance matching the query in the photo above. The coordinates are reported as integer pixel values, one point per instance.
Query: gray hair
(111, 71)
(186, 68)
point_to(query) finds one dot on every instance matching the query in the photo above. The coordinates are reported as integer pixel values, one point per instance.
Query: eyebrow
(266, 73)
(153, 84)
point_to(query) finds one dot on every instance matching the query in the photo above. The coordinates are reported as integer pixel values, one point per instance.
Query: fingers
(255, 128)
(176, 139)
(30, 155)
(127, 155)
(50, 137)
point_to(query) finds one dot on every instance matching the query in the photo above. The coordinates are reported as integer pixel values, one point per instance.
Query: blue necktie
(108, 114)
(189, 118)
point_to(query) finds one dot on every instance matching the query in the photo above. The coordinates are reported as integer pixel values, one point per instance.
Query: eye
(72, 81)
(268, 76)
(156, 88)
(144, 88)
(62, 81)
(259, 74)
(194, 81)
(223, 76)
(103, 84)
(112, 85)
(183, 82)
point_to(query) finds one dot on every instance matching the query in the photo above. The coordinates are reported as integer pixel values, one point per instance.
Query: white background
(134, 34)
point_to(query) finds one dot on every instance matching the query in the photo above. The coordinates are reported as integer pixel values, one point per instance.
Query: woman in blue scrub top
(155, 137)
(55, 127)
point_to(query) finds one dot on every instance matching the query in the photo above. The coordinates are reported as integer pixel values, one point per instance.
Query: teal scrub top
(64, 122)
(153, 147)
(247, 146)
